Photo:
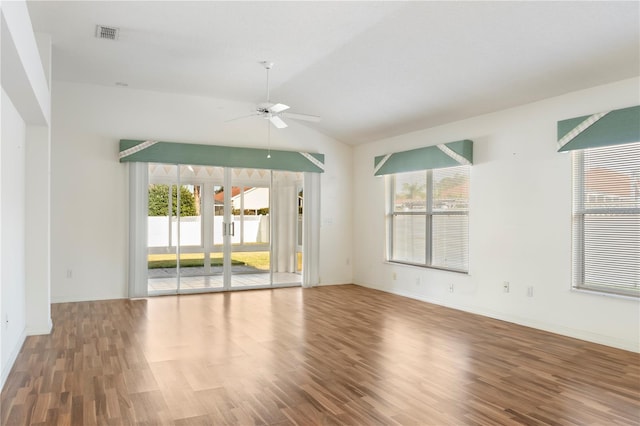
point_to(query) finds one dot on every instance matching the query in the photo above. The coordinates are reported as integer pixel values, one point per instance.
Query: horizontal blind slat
(606, 222)
(429, 218)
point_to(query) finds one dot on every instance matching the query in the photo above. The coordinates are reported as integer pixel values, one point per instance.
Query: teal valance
(220, 156)
(431, 157)
(601, 129)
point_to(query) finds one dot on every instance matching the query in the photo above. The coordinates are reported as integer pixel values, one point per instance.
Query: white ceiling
(370, 69)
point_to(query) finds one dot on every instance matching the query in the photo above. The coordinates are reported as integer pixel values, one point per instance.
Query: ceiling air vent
(109, 33)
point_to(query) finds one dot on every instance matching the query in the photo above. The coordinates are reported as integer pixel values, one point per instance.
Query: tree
(414, 190)
(159, 201)
(456, 186)
(414, 195)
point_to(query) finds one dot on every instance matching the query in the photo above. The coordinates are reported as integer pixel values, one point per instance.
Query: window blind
(606, 219)
(429, 218)
(450, 222)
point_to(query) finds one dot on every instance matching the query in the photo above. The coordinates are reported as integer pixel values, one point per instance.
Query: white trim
(381, 163)
(85, 298)
(451, 153)
(603, 293)
(137, 148)
(313, 159)
(581, 128)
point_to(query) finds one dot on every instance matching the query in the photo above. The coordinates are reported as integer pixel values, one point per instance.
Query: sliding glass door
(251, 228)
(213, 228)
(179, 246)
(161, 228)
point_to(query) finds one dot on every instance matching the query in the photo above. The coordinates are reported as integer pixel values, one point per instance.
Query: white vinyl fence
(256, 230)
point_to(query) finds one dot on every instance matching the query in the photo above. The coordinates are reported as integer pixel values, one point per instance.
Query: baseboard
(330, 284)
(527, 322)
(6, 368)
(84, 299)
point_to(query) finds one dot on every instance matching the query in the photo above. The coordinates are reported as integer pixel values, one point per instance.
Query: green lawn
(185, 263)
(256, 259)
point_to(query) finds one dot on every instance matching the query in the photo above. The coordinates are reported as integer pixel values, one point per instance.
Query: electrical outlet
(530, 291)
(505, 286)
(417, 280)
(450, 288)
(395, 276)
(69, 273)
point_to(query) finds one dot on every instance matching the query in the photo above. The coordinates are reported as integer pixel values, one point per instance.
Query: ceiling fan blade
(244, 116)
(277, 121)
(304, 117)
(276, 108)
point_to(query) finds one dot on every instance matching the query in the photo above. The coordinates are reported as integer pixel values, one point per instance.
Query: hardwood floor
(329, 355)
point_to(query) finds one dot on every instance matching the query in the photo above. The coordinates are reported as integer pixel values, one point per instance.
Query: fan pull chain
(268, 139)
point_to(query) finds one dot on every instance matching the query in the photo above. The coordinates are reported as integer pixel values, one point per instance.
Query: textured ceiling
(369, 69)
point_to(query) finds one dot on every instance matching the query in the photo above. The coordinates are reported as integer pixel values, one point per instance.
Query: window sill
(415, 265)
(604, 293)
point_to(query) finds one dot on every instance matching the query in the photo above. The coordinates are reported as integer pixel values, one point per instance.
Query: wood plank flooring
(329, 355)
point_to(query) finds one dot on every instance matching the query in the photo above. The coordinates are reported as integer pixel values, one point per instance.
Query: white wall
(38, 229)
(24, 224)
(12, 230)
(88, 181)
(520, 222)
(23, 72)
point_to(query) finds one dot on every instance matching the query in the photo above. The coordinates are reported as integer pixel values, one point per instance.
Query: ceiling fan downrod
(267, 65)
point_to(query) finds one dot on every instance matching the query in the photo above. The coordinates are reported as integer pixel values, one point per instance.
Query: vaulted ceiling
(369, 69)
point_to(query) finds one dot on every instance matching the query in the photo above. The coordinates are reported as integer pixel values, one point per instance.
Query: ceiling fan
(274, 111)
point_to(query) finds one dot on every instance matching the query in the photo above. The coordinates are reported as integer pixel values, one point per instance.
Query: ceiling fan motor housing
(273, 111)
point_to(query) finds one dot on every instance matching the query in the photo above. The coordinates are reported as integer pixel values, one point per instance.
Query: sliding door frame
(139, 176)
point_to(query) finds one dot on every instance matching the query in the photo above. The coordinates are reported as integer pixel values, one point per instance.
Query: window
(606, 219)
(428, 218)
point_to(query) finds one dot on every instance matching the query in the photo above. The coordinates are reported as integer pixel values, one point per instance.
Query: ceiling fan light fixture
(274, 111)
